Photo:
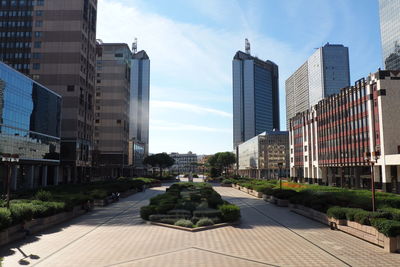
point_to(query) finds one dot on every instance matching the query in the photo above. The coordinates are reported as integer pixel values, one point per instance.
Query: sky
(191, 44)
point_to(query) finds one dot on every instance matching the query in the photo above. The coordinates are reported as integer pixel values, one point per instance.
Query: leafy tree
(222, 161)
(160, 160)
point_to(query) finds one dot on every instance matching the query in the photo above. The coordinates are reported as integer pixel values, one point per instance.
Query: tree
(222, 161)
(160, 160)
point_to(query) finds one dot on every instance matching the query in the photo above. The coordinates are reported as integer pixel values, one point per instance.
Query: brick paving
(267, 236)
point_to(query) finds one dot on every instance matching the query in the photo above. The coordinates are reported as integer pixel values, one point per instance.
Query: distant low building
(184, 162)
(264, 156)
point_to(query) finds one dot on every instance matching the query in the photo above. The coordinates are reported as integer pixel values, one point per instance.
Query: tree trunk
(161, 172)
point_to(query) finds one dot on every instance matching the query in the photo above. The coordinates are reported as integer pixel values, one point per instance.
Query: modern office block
(328, 142)
(54, 42)
(30, 121)
(265, 156)
(140, 97)
(389, 11)
(255, 97)
(184, 163)
(324, 73)
(111, 130)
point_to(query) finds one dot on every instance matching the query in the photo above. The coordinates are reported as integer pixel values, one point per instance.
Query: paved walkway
(267, 236)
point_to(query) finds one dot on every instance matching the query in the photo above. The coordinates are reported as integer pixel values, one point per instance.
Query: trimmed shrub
(21, 212)
(43, 195)
(336, 212)
(207, 213)
(205, 222)
(179, 212)
(160, 217)
(98, 194)
(351, 212)
(5, 218)
(185, 205)
(184, 223)
(146, 211)
(395, 213)
(229, 212)
(284, 193)
(389, 228)
(365, 217)
(214, 199)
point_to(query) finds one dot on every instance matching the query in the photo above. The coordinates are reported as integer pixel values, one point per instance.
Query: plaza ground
(267, 236)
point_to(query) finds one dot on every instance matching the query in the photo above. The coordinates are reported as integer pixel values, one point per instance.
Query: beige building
(264, 156)
(111, 133)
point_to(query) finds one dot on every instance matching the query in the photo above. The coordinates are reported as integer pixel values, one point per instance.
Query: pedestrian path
(267, 236)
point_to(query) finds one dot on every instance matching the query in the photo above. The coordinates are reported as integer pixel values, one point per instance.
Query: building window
(40, 2)
(37, 45)
(37, 55)
(305, 158)
(98, 94)
(118, 121)
(39, 23)
(305, 148)
(39, 13)
(119, 55)
(38, 34)
(36, 66)
(70, 88)
(35, 77)
(98, 81)
(97, 121)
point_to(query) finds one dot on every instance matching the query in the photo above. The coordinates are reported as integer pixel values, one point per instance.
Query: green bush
(179, 212)
(337, 212)
(98, 194)
(229, 212)
(5, 218)
(184, 223)
(185, 205)
(284, 193)
(389, 228)
(207, 213)
(21, 212)
(351, 212)
(365, 217)
(160, 217)
(228, 181)
(395, 213)
(146, 211)
(205, 222)
(43, 195)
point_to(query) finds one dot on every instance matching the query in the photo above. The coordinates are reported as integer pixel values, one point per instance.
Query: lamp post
(8, 160)
(372, 158)
(280, 175)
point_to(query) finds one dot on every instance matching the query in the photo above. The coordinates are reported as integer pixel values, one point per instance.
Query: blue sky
(191, 44)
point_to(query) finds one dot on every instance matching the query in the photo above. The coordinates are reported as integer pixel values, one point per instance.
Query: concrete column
(44, 175)
(323, 174)
(357, 177)
(14, 176)
(386, 178)
(30, 174)
(377, 173)
(68, 175)
(56, 174)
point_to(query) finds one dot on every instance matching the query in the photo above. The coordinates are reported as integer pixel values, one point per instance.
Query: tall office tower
(140, 96)
(111, 128)
(389, 11)
(54, 42)
(255, 96)
(323, 74)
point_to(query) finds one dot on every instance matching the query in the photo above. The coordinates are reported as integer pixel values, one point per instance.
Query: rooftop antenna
(134, 46)
(247, 46)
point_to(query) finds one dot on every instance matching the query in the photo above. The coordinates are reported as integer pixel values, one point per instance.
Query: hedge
(5, 218)
(229, 212)
(389, 228)
(207, 213)
(184, 223)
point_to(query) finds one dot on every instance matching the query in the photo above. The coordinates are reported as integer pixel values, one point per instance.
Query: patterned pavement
(267, 236)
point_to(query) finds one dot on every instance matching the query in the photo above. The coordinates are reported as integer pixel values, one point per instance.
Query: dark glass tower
(255, 97)
(389, 11)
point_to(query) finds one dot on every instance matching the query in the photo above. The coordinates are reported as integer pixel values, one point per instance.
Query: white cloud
(168, 105)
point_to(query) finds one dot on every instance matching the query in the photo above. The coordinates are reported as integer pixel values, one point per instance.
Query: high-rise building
(184, 163)
(30, 122)
(255, 96)
(54, 42)
(323, 74)
(111, 128)
(140, 96)
(389, 11)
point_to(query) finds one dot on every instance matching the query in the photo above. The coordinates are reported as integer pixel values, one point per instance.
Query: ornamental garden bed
(191, 206)
(344, 209)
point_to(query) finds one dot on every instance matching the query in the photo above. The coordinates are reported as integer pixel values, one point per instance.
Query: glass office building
(389, 11)
(255, 97)
(30, 128)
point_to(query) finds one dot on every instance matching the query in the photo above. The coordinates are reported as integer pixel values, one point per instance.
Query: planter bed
(310, 213)
(226, 185)
(17, 232)
(197, 229)
(248, 191)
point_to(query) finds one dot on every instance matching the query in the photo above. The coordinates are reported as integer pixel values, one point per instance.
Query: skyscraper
(111, 131)
(255, 96)
(324, 73)
(389, 11)
(54, 42)
(140, 94)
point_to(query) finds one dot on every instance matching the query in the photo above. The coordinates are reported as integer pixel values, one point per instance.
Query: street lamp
(280, 175)
(8, 160)
(372, 158)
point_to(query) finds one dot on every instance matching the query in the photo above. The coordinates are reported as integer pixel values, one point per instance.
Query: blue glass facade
(389, 11)
(29, 118)
(263, 103)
